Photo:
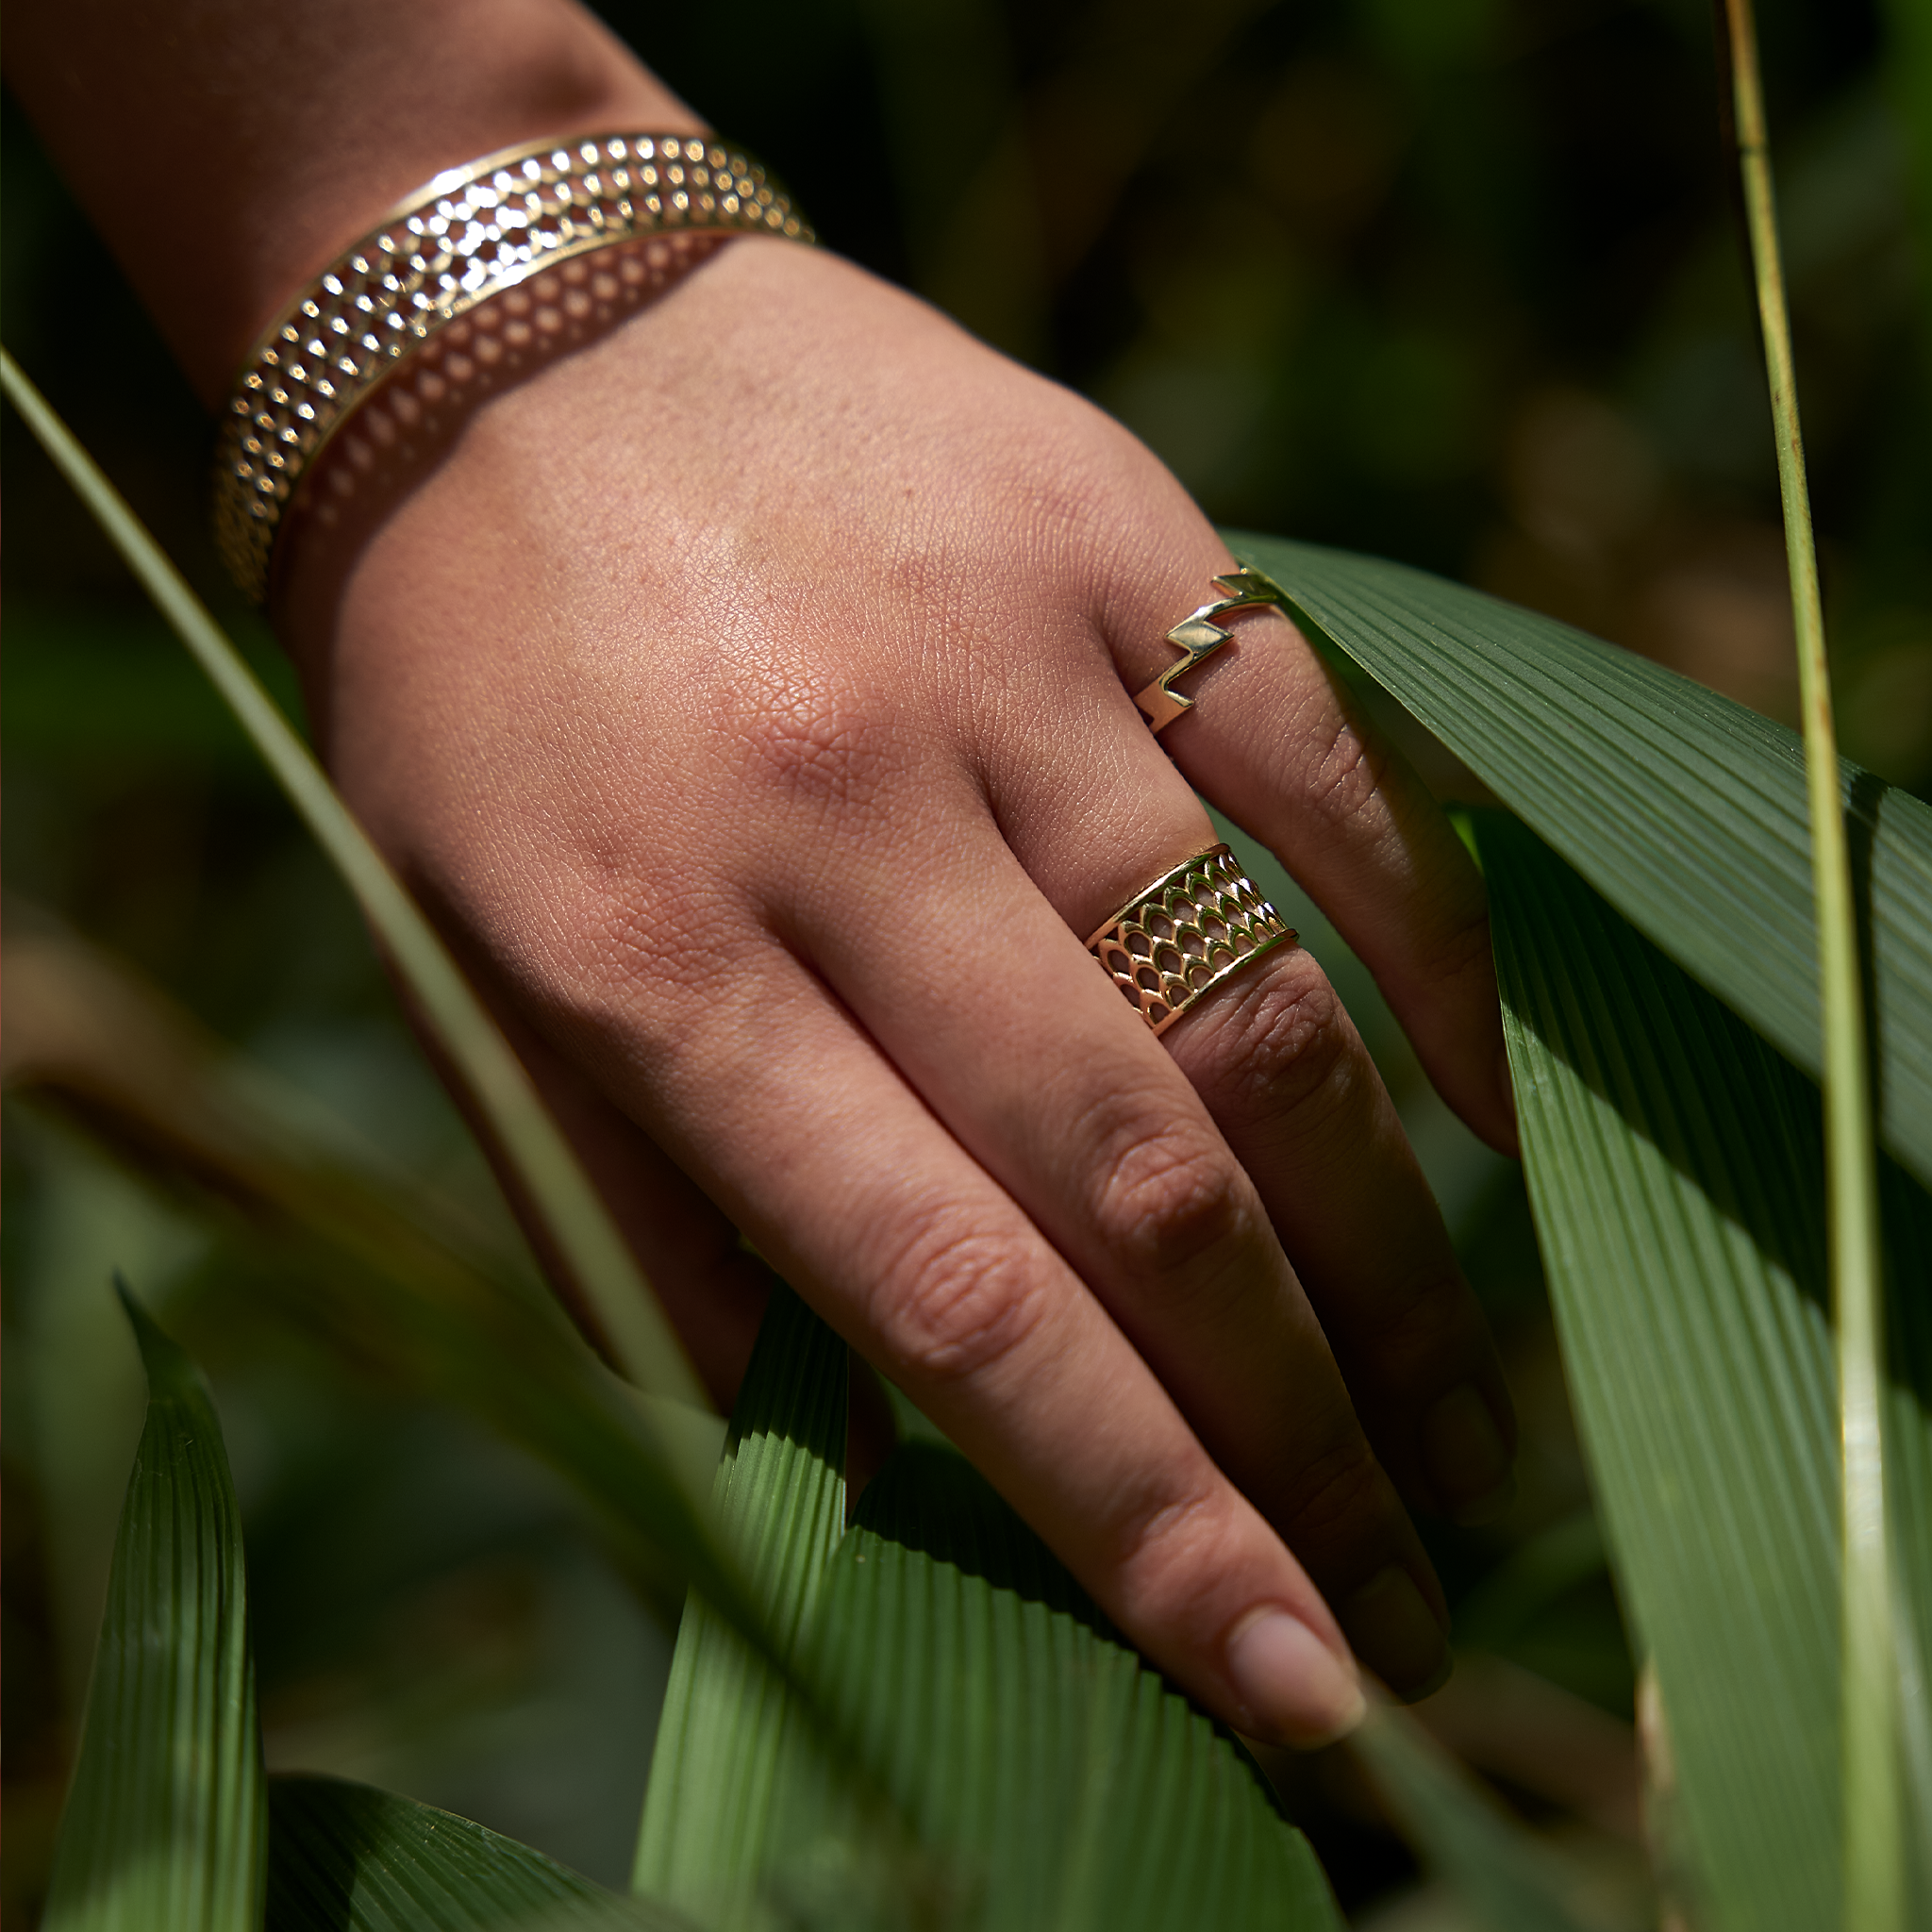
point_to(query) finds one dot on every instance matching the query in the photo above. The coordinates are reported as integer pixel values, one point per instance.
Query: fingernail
(1296, 1691)
(1466, 1457)
(1395, 1633)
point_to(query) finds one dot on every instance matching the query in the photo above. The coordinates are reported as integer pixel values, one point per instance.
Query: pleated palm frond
(1656, 946)
(166, 1823)
(989, 1753)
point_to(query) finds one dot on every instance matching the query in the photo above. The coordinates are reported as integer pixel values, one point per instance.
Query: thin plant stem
(585, 1238)
(1874, 1843)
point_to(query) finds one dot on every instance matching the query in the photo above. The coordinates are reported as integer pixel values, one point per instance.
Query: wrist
(297, 133)
(320, 202)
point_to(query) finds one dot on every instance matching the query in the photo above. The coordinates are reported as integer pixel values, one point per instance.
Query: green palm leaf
(1052, 1777)
(1675, 1169)
(344, 1858)
(1021, 1767)
(728, 1718)
(169, 1828)
(165, 1824)
(1685, 810)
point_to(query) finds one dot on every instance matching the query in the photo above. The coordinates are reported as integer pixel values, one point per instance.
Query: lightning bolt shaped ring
(1198, 636)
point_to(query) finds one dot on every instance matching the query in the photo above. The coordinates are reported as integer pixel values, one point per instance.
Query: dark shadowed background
(1458, 282)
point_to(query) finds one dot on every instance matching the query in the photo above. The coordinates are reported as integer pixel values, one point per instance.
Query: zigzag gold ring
(1199, 635)
(1173, 943)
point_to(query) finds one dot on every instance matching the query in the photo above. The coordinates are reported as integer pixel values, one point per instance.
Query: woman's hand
(748, 693)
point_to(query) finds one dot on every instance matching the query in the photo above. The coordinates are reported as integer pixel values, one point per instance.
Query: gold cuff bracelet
(469, 234)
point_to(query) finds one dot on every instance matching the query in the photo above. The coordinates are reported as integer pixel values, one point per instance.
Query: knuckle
(817, 742)
(1335, 1493)
(628, 949)
(1463, 946)
(1425, 1321)
(1170, 1195)
(1282, 1042)
(1170, 1551)
(1067, 500)
(954, 1300)
(1345, 780)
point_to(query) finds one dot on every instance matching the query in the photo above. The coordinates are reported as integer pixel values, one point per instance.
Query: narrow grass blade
(1686, 812)
(728, 1718)
(581, 1229)
(1505, 1878)
(344, 1858)
(164, 1829)
(1873, 1900)
(1675, 1165)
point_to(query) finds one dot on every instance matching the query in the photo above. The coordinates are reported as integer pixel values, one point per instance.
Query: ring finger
(1045, 1075)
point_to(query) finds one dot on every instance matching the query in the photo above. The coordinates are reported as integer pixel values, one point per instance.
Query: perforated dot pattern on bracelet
(1184, 934)
(469, 235)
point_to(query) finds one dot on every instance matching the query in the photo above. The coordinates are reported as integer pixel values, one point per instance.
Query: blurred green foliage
(1452, 280)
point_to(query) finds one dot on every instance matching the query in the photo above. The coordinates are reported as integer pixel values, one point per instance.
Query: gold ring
(1199, 636)
(1194, 926)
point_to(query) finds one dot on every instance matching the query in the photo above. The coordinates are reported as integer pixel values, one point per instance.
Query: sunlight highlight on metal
(1197, 636)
